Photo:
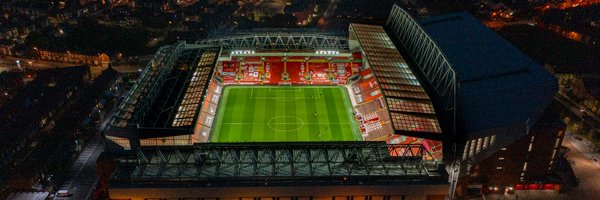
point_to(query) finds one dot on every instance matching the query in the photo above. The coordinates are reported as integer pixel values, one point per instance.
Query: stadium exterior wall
(494, 94)
(463, 92)
(397, 192)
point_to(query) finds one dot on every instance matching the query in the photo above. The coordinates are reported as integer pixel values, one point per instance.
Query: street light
(37, 52)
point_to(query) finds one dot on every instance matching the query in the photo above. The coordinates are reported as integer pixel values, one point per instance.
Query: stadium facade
(457, 94)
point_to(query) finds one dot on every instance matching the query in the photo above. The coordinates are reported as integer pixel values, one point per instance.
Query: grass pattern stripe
(285, 114)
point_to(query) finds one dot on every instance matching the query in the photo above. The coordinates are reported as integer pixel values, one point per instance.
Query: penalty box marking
(270, 123)
(284, 98)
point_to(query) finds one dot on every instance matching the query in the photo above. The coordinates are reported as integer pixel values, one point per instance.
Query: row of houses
(43, 119)
(48, 163)
(34, 110)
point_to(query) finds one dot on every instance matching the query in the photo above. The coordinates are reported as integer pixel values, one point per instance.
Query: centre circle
(283, 120)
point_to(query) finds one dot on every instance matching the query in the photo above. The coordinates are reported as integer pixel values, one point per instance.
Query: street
(82, 177)
(588, 119)
(9, 63)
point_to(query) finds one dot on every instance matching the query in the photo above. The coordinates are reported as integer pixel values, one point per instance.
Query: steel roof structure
(280, 163)
(166, 98)
(279, 41)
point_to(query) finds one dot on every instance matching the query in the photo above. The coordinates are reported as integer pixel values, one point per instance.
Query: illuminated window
(406, 105)
(466, 150)
(486, 142)
(472, 148)
(479, 143)
(409, 122)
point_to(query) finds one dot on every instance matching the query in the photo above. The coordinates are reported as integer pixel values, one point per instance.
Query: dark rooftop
(500, 86)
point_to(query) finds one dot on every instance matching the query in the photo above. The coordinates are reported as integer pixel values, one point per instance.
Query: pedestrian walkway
(586, 147)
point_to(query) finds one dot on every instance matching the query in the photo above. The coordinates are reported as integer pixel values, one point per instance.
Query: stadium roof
(500, 85)
(410, 107)
(295, 163)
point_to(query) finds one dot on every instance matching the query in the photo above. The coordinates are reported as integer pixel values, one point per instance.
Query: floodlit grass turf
(285, 113)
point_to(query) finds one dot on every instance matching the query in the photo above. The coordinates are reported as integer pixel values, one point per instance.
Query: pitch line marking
(242, 123)
(286, 89)
(282, 130)
(282, 98)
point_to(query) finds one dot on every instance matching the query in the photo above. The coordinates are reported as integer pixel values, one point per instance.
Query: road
(496, 24)
(328, 13)
(590, 120)
(585, 169)
(10, 63)
(126, 68)
(82, 177)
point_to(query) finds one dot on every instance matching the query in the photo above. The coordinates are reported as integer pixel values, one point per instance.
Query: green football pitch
(285, 114)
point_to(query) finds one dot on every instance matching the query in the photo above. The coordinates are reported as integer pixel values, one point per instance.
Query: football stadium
(280, 88)
(310, 108)
(399, 111)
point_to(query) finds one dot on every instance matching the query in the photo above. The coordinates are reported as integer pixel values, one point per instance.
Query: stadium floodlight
(327, 52)
(242, 52)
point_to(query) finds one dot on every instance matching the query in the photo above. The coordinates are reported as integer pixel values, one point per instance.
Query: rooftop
(248, 164)
(500, 86)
